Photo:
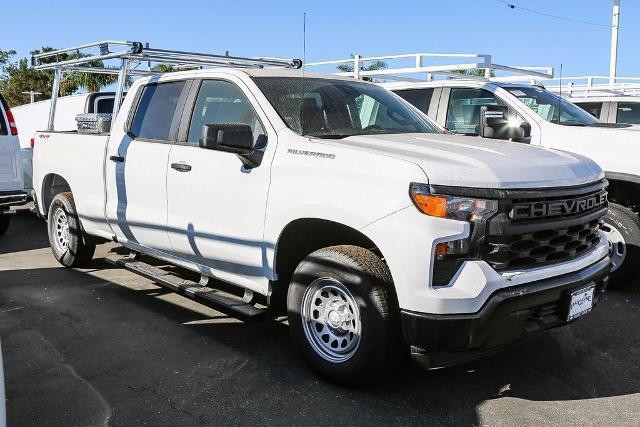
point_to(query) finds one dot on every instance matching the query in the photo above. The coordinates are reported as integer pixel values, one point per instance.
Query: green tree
(163, 68)
(18, 77)
(475, 72)
(373, 66)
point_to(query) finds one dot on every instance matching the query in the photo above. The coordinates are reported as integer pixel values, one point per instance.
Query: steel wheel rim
(617, 246)
(60, 230)
(331, 320)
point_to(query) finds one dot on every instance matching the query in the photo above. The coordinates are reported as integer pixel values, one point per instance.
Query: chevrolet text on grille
(558, 207)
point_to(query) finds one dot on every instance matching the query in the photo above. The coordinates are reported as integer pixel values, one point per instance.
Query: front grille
(540, 247)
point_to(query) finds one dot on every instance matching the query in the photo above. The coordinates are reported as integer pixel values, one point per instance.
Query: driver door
(216, 206)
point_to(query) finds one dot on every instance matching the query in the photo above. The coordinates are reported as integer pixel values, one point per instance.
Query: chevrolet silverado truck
(334, 202)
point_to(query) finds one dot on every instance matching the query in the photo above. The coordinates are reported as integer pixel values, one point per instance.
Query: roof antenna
(304, 62)
(560, 96)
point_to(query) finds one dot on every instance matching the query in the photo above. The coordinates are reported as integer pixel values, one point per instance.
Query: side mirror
(230, 137)
(234, 138)
(493, 119)
(495, 123)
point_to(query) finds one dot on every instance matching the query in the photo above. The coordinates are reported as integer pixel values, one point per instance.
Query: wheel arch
(624, 189)
(52, 185)
(303, 236)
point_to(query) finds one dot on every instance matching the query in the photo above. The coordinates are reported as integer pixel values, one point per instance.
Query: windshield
(551, 107)
(332, 108)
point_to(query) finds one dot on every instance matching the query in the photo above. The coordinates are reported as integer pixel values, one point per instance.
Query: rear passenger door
(136, 166)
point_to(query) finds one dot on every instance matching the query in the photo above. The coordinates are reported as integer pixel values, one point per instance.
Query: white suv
(11, 182)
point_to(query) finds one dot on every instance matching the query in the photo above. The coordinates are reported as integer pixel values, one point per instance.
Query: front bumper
(13, 198)
(508, 316)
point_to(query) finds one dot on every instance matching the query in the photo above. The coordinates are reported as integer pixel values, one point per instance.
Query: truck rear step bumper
(13, 198)
(509, 316)
(205, 295)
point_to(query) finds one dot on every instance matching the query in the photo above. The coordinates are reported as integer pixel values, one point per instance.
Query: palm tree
(91, 82)
(475, 72)
(373, 66)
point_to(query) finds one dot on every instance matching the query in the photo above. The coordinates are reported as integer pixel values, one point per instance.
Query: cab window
(419, 98)
(628, 112)
(463, 114)
(593, 108)
(222, 102)
(154, 117)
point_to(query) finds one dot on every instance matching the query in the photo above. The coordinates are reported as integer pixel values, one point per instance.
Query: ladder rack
(133, 55)
(594, 86)
(450, 67)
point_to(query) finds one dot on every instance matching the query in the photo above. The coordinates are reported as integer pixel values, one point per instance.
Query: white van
(33, 117)
(11, 183)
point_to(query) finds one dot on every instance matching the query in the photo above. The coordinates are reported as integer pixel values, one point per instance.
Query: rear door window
(156, 117)
(419, 98)
(593, 108)
(628, 112)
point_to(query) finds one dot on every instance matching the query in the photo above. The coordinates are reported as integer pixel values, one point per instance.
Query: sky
(336, 29)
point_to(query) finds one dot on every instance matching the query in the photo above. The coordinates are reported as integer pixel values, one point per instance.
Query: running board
(240, 308)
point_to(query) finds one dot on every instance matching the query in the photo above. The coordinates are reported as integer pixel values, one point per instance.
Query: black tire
(622, 221)
(77, 250)
(5, 220)
(368, 280)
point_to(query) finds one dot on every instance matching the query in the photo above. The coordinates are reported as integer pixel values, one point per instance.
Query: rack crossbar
(481, 62)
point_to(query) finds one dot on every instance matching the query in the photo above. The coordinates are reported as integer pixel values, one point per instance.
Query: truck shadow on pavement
(22, 225)
(146, 354)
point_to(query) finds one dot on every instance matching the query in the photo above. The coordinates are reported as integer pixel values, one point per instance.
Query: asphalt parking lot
(103, 346)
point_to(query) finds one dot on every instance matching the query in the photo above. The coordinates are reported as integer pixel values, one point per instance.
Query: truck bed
(79, 158)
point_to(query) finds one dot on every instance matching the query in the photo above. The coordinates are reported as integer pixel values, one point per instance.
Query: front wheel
(4, 223)
(343, 314)
(70, 247)
(622, 228)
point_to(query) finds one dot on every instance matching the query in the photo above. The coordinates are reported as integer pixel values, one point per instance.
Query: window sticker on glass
(518, 93)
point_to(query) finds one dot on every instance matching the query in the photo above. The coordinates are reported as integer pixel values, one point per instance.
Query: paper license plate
(581, 302)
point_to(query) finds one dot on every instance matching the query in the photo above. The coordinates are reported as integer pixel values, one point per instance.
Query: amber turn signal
(431, 205)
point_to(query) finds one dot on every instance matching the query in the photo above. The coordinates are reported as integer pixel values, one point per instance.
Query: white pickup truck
(336, 203)
(532, 115)
(12, 191)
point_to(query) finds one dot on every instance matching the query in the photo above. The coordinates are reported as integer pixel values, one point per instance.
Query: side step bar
(240, 308)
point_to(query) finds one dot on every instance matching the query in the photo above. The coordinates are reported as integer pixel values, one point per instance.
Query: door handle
(117, 159)
(181, 167)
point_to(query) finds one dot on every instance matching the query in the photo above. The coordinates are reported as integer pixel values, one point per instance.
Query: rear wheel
(4, 223)
(343, 314)
(68, 243)
(622, 228)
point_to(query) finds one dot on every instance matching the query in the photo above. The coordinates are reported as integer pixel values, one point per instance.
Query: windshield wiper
(331, 135)
(573, 124)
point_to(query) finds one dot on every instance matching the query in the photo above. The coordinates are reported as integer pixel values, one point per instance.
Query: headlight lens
(453, 207)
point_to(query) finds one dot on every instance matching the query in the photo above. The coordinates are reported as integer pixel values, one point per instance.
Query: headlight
(448, 256)
(453, 207)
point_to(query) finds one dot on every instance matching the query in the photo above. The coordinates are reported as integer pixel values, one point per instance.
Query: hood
(471, 161)
(614, 148)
